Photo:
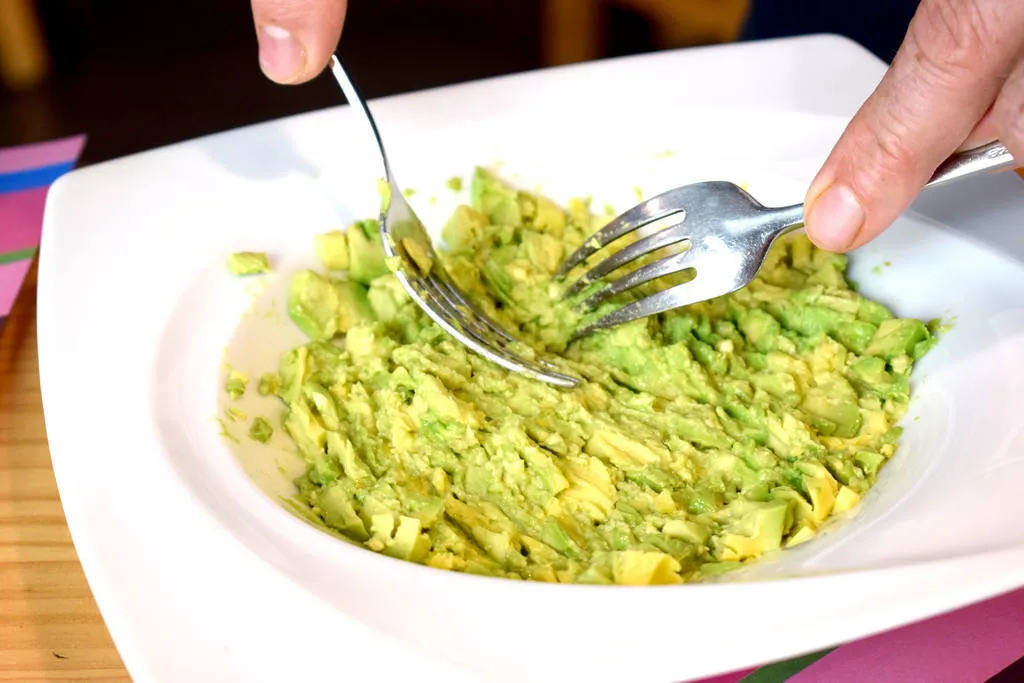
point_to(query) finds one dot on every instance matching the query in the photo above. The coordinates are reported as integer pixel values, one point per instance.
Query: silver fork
(417, 267)
(726, 232)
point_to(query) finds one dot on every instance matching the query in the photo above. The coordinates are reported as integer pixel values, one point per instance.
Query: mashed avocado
(699, 440)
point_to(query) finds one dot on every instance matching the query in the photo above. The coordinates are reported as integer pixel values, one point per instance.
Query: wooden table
(50, 627)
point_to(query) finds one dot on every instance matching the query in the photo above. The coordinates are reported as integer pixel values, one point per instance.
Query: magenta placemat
(26, 173)
(980, 643)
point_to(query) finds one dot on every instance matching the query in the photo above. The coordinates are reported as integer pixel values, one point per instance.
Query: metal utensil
(417, 266)
(727, 234)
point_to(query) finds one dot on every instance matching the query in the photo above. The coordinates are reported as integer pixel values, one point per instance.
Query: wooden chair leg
(690, 22)
(24, 57)
(571, 30)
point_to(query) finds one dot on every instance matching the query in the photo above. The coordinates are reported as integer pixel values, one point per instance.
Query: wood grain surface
(50, 627)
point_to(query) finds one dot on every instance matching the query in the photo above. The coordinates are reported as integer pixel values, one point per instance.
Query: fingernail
(835, 218)
(282, 57)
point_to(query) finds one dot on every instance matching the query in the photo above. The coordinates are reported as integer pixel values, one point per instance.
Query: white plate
(201, 576)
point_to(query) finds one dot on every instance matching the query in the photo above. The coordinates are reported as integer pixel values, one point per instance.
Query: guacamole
(698, 441)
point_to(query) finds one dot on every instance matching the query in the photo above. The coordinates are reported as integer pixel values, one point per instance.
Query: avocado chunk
(332, 250)
(404, 541)
(548, 217)
(270, 384)
(834, 404)
(498, 201)
(236, 384)
(464, 230)
(313, 305)
(543, 250)
(260, 430)
(760, 329)
(339, 512)
(323, 308)
(366, 260)
(757, 528)
(809, 320)
(846, 500)
(873, 312)
(389, 301)
(870, 375)
(896, 337)
(645, 568)
(821, 488)
(855, 335)
(248, 263)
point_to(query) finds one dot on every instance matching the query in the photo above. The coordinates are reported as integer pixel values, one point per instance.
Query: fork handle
(985, 159)
(991, 157)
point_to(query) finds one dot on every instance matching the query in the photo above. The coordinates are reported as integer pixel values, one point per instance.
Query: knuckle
(880, 159)
(895, 155)
(951, 37)
(890, 151)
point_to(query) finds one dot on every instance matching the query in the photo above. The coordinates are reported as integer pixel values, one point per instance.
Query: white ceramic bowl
(137, 317)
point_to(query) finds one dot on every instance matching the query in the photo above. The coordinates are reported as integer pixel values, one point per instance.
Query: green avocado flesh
(698, 440)
(248, 263)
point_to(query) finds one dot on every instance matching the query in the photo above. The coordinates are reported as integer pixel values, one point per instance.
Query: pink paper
(966, 646)
(20, 216)
(65, 150)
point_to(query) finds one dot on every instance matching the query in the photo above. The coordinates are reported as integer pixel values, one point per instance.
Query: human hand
(297, 37)
(957, 82)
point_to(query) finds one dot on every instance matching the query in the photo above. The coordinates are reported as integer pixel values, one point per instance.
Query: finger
(948, 71)
(1008, 113)
(297, 37)
(984, 132)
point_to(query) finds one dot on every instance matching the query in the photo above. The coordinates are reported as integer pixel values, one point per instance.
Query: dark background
(135, 74)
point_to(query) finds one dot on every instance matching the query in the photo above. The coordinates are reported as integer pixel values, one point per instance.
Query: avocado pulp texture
(698, 441)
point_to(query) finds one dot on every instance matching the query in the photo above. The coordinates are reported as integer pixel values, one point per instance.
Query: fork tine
(485, 328)
(663, 238)
(652, 271)
(494, 327)
(653, 209)
(456, 314)
(684, 294)
(471, 332)
(460, 297)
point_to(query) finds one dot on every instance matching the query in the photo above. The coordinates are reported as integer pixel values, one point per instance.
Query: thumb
(297, 37)
(946, 74)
